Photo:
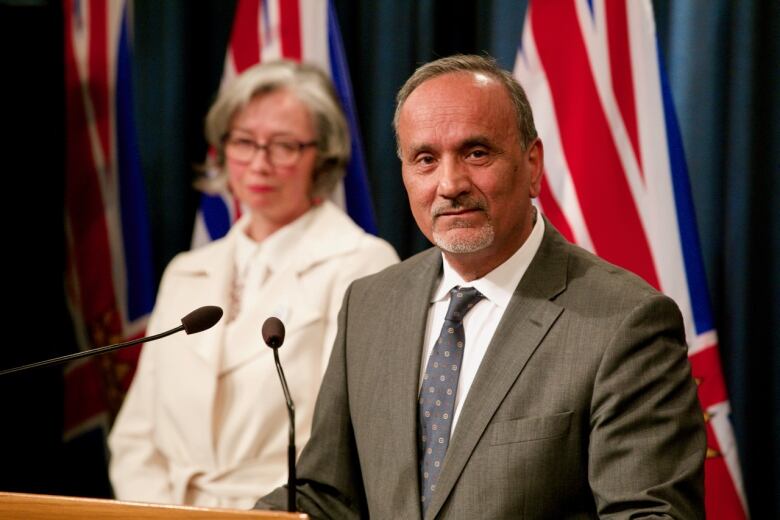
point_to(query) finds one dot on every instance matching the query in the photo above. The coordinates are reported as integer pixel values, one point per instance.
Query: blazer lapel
(211, 274)
(526, 321)
(410, 303)
(201, 277)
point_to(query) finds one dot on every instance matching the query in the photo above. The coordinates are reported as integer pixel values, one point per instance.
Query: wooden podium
(25, 506)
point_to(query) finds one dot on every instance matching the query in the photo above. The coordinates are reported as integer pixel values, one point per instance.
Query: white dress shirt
(481, 322)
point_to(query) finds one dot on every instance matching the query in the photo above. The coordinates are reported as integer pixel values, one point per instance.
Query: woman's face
(274, 192)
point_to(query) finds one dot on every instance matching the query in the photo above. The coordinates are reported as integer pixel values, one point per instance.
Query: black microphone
(273, 335)
(202, 318)
(194, 322)
(273, 332)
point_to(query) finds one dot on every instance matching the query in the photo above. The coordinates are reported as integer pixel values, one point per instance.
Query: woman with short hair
(205, 422)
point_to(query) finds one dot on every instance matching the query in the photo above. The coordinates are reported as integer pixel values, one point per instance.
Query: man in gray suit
(505, 373)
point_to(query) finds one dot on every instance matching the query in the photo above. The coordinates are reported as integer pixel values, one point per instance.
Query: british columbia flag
(109, 278)
(616, 180)
(299, 30)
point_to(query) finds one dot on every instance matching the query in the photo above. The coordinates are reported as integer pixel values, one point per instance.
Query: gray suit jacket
(583, 405)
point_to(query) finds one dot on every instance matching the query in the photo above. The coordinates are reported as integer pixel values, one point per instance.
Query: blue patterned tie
(439, 388)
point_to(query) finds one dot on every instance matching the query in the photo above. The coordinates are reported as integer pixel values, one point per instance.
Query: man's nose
(454, 179)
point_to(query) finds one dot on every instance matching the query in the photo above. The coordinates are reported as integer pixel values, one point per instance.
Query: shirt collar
(277, 246)
(498, 285)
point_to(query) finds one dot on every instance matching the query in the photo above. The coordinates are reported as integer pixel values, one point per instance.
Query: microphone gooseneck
(194, 322)
(273, 335)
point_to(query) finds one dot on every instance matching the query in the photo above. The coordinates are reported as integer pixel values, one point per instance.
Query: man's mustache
(459, 204)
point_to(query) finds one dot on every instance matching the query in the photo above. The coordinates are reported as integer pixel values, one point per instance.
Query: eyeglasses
(280, 151)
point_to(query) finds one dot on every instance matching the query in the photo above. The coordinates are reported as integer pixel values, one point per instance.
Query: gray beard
(484, 238)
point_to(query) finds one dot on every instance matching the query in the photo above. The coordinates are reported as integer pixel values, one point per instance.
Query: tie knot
(462, 299)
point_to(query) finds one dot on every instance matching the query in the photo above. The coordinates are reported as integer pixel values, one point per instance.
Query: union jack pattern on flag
(109, 278)
(299, 30)
(616, 181)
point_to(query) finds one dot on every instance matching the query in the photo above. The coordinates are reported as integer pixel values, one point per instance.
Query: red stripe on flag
(622, 72)
(245, 39)
(604, 195)
(83, 196)
(98, 75)
(721, 501)
(290, 21)
(93, 390)
(706, 370)
(553, 211)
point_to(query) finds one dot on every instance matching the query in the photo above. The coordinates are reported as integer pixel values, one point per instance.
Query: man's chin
(464, 240)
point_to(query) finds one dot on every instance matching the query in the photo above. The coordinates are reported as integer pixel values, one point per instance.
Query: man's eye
(425, 159)
(478, 154)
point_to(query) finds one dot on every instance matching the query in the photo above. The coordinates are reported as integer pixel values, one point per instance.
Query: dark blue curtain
(722, 58)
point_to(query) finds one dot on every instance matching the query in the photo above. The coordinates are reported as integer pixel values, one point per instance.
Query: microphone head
(201, 319)
(273, 332)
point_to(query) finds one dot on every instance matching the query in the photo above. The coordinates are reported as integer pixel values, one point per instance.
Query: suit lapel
(410, 305)
(526, 321)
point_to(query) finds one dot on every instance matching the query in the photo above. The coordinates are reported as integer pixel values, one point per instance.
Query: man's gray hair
(473, 63)
(313, 88)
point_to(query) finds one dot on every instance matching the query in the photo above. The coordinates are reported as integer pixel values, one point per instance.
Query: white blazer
(175, 440)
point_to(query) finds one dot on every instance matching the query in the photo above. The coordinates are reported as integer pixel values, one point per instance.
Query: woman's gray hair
(473, 63)
(313, 88)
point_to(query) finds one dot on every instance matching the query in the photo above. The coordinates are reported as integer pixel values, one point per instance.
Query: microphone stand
(291, 478)
(273, 336)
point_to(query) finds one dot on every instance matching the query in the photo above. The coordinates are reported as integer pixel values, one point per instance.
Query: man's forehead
(456, 81)
(456, 89)
(453, 100)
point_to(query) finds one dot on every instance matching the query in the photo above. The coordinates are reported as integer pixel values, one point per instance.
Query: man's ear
(535, 162)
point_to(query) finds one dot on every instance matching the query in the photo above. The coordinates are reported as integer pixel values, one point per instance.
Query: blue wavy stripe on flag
(135, 220)
(216, 215)
(686, 217)
(356, 189)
